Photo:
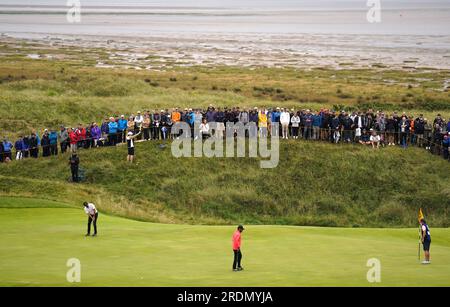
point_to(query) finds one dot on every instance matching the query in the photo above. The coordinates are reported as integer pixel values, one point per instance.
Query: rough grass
(37, 242)
(314, 184)
(45, 93)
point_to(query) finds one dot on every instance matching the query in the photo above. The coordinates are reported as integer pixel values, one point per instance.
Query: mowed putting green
(38, 237)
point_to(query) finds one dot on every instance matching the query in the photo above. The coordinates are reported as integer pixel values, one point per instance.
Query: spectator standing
(262, 123)
(419, 130)
(73, 139)
(220, 119)
(96, 134)
(64, 139)
(7, 149)
(19, 148)
(146, 127)
(112, 128)
(445, 146)
(317, 123)
(308, 120)
(138, 120)
(74, 163)
(34, 146)
(336, 128)
(122, 125)
(45, 143)
(53, 142)
(105, 130)
(295, 120)
(403, 128)
(285, 119)
(26, 146)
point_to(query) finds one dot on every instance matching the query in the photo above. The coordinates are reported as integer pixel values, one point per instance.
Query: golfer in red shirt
(237, 249)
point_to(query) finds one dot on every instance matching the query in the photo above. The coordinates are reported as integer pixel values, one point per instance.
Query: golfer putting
(92, 213)
(130, 145)
(236, 239)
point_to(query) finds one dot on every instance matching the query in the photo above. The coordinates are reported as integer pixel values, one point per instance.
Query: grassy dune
(37, 242)
(314, 184)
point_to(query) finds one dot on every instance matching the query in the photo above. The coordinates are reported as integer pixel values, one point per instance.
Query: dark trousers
(46, 150)
(63, 146)
(34, 152)
(112, 139)
(155, 133)
(146, 134)
(95, 224)
(124, 135)
(237, 259)
(54, 149)
(120, 136)
(74, 171)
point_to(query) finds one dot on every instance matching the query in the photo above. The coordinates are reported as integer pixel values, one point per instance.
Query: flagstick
(418, 251)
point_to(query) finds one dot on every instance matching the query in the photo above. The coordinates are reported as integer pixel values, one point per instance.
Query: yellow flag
(420, 214)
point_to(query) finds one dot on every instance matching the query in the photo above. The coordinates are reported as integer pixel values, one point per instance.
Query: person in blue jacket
(122, 124)
(19, 145)
(53, 142)
(317, 123)
(7, 149)
(445, 146)
(275, 120)
(26, 146)
(112, 127)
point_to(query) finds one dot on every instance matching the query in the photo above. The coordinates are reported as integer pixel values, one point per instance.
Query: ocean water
(147, 17)
(317, 31)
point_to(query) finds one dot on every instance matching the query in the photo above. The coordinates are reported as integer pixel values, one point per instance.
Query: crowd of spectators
(368, 128)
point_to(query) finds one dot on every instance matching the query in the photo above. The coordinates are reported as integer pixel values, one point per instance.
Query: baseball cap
(241, 227)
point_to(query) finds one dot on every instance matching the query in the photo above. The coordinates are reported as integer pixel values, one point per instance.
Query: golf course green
(38, 237)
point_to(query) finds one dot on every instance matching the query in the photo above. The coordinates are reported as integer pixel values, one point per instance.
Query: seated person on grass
(365, 138)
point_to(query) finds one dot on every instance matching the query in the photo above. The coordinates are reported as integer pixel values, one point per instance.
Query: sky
(274, 4)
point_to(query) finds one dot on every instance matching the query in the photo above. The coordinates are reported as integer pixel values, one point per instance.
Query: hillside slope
(314, 184)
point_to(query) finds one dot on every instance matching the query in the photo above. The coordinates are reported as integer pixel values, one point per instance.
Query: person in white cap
(130, 145)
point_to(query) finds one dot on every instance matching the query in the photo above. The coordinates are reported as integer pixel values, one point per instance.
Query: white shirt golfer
(90, 209)
(92, 213)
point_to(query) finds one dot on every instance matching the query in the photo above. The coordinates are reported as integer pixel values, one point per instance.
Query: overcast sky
(322, 4)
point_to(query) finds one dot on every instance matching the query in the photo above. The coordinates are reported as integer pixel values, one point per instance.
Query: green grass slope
(46, 93)
(314, 184)
(35, 244)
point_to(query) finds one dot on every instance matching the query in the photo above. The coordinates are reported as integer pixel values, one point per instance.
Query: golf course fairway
(38, 237)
